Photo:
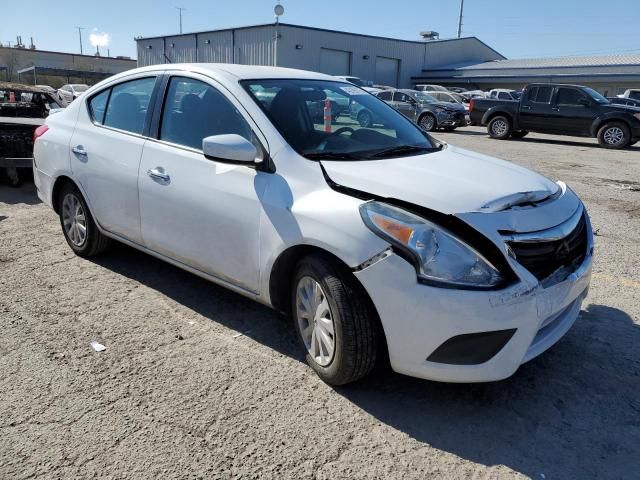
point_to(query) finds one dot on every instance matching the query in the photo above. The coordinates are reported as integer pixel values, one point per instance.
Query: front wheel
(78, 226)
(427, 122)
(335, 321)
(614, 135)
(500, 127)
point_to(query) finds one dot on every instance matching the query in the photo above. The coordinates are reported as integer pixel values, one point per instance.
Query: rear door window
(540, 94)
(128, 104)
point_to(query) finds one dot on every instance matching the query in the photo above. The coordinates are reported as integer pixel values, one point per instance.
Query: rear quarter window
(98, 106)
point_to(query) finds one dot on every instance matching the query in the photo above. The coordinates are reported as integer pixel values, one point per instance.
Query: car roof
(234, 71)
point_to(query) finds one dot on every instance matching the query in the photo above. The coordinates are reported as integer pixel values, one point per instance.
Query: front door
(405, 105)
(106, 149)
(574, 111)
(201, 212)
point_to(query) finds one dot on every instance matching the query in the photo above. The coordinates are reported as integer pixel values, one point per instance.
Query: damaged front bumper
(474, 336)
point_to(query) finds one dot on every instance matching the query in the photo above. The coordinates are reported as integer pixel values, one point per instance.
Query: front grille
(542, 258)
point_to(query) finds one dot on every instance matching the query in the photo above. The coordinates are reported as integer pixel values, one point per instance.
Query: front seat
(288, 116)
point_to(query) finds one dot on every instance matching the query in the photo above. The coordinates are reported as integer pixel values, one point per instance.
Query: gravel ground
(197, 382)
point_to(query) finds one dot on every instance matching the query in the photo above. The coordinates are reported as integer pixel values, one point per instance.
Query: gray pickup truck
(22, 109)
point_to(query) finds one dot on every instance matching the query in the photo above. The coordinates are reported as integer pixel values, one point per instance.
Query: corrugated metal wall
(300, 47)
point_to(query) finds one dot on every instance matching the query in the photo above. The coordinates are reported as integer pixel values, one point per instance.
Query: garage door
(335, 62)
(387, 70)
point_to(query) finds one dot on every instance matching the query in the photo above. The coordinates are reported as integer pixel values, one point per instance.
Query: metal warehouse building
(383, 60)
(465, 62)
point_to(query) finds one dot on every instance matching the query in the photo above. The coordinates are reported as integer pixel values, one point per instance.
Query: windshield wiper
(402, 149)
(332, 156)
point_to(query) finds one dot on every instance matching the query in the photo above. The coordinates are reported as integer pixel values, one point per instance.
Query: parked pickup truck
(561, 110)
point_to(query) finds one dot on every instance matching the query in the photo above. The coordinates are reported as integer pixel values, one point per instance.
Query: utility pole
(460, 18)
(180, 9)
(80, 36)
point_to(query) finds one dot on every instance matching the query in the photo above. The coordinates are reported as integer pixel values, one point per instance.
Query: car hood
(452, 107)
(450, 181)
(624, 108)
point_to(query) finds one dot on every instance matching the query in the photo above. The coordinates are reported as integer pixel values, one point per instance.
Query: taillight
(38, 132)
(471, 102)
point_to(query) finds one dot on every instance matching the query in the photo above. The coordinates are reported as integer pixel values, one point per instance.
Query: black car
(23, 108)
(420, 107)
(561, 110)
(629, 102)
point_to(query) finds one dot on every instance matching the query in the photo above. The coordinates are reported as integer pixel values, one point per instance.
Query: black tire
(500, 127)
(614, 135)
(519, 134)
(355, 322)
(449, 128)
(428, 122)
(364, 119)
(94, 241)
(13, 177)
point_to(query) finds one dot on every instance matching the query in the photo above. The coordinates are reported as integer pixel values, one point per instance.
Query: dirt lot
(197, 382)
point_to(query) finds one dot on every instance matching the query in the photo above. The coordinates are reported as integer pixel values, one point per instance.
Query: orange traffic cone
(327, 115)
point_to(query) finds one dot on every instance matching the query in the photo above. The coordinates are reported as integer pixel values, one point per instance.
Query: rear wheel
(427, 122)
(614, 135)
(500, 127)
(334, 320)
(364, 119)
(78, 225)
(519, 134)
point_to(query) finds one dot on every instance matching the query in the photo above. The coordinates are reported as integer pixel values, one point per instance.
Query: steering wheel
(342, 130)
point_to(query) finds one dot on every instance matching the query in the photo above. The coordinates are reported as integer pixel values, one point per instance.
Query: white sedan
(374, 239)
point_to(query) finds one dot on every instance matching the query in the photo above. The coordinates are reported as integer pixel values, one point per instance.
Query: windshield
(424, 97)
(330, 120)
(596, 96)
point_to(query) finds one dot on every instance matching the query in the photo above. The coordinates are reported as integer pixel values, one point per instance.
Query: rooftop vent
(430, 35)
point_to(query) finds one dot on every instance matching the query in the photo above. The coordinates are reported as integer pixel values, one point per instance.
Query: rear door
(574, 111)
(106, 149)
(535, 109)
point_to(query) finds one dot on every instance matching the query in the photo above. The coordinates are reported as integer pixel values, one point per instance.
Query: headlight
(440, 257)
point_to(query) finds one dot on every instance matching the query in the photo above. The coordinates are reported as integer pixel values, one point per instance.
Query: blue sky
(516, 28)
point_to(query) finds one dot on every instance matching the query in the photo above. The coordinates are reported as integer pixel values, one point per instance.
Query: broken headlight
(440, 257)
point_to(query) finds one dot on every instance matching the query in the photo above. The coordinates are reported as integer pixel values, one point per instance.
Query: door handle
(158, 173)
(79, 150)
(555, 109)
(526, 107)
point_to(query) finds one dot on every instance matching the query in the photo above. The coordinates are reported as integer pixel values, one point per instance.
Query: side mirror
(231, 147)
(584, 102)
